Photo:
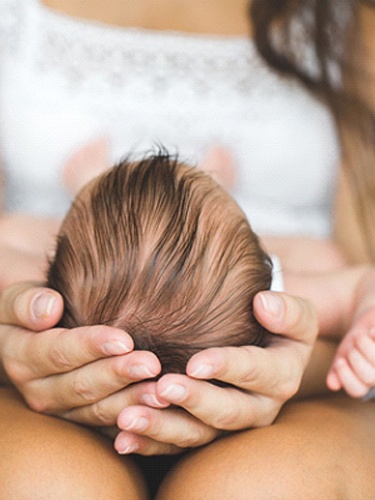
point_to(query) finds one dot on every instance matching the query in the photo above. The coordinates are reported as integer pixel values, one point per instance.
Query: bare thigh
(44, 457)
(322, 449)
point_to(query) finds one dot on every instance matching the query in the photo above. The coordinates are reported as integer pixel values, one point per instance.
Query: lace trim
(11, 21)
(84, 51)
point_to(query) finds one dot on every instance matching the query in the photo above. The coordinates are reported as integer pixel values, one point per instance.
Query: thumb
(286, 314)
(30, 305)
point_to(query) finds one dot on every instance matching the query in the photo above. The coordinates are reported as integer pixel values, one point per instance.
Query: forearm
(28, 233)
(334, 294)
(17, 266)
(25, 242)
(304, 254)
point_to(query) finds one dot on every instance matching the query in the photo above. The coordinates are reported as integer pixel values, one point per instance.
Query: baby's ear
(220, 164)
(85, 163)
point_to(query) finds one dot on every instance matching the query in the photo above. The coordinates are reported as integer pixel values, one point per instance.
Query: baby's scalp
(161, 250)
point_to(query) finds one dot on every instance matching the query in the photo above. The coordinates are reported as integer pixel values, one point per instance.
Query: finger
(333, 380)
(31, 306)
(281, 313)
(350, 382)
(169, 426)
(362, 368)
(105, 411)
(365, 344)
(273, 371)
(127, 443)
(91, 382)
(345, 346)
(224, 408)
(37, 355)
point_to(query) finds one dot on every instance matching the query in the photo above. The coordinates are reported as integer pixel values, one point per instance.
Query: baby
(161, 250)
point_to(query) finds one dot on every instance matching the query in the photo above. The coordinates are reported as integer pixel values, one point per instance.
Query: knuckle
(190, 440)
(227, 420)
(100, 414)
(248, 378)
(186, 442)
(16, 372)
(198, 437)
(287, 389)
(37, 403)
(83, 390)
(59, 359)
(270, 410)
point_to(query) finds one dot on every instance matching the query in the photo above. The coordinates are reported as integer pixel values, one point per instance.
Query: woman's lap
(45, 457)
(316, 449)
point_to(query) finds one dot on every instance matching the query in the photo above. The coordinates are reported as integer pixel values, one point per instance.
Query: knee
(225, 470)
(43, 457)
(304, 455)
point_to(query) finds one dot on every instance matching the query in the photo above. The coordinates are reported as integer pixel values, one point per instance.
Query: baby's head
(160, 250)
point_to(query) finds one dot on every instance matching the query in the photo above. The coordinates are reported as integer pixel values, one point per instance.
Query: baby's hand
(353, 368)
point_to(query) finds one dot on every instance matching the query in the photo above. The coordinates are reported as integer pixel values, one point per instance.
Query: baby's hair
(160, 250)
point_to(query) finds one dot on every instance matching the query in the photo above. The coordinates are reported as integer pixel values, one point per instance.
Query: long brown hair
(332, 32)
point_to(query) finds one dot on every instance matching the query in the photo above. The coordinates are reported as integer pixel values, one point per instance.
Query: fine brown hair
(160, 250)
(332, 34)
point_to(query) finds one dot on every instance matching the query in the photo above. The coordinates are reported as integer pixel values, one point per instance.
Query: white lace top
(65, 82)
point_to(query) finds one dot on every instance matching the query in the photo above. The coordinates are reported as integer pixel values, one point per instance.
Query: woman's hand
(56, 369)
(262, 381)
(81, 375)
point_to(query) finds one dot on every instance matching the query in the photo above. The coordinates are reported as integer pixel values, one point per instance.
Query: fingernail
(152, 400)
(115, 347)
(175, 393)
(136, 424)
(272, 304)
(42, 305)
(203, 371)
(127, 449)
(141, 372)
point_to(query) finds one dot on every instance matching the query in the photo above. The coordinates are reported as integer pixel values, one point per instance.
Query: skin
(338, 296)
(353, 367)
(285, 460)
(287, 439)
(76, 463)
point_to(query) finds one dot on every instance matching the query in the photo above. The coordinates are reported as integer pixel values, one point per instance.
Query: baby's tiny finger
(350, 382)
(333, 381)
(365, 344)
(362, 368)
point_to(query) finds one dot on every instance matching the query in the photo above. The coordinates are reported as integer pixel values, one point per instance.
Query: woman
(73, 379)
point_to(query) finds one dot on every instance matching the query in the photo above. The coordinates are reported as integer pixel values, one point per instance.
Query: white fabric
(64, 82)
(277, 284)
